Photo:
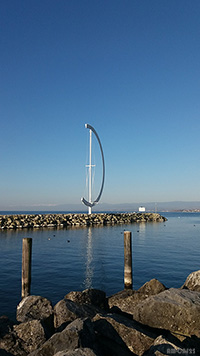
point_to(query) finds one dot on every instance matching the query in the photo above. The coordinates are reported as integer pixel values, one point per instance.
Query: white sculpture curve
(87, 203)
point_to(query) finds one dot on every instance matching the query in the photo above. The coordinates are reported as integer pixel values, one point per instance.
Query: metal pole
(90, 174)
(127, 260)
(26, 266)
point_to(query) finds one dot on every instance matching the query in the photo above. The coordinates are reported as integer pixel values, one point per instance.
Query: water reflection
(142, 228)
(142, 232)
(89, 259)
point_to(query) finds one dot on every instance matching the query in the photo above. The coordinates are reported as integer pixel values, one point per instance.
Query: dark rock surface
(39, 308)
(163, 346)
(23, 338)
(77, 352)
(150, 321)
(89, 296)
(31, 335)
(193, 281)
(119, 335)
(77, 334)
(34, 307)
(174, 309)
(67, 311)
(127, 300)
(6, 325)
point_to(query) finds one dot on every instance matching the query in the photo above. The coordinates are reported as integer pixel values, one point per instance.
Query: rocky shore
(152, 320)
(36, 221)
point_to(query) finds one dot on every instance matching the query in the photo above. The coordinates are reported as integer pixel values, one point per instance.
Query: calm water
(80, 258)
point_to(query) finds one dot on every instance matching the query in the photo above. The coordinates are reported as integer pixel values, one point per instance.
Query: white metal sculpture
(89, 203)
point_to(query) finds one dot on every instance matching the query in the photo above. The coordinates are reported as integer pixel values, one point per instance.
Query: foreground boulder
(66, 311)
(149, 321)
(174, 309)
(121, 336)
(95, 297)
(127, 300)
(77, 334)
(22, 339)
(77, 352)
(193, 281)
(31, 335)
(79, 305)
(9, 345)
(163, 346)
(151, 288)
(36, 308)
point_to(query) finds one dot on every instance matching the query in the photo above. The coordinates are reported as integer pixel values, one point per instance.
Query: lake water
(93, 257)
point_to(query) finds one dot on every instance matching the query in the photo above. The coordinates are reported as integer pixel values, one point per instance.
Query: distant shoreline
(64, 212)
(186, 211)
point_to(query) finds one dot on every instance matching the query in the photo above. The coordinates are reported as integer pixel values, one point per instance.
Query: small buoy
(49, 238)
(68, 240)
(138, 230)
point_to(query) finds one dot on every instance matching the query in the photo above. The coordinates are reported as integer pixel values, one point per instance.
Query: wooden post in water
(127, 260)
(26, 267)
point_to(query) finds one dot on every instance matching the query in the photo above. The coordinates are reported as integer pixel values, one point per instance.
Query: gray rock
(9, 345)
(152, 287)
(65, 311)
(23, 338)
(36, 308)
(162, 346)
(31, 335)
(89, 296)
(193, 281)
(77, 334)
(121, 336)
(127, 300)
(174, 309)
(77, 352)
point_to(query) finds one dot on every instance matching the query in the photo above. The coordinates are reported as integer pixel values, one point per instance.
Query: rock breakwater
(71, 220)
(152, 320)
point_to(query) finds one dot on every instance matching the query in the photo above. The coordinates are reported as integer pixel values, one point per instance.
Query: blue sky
(129, 68)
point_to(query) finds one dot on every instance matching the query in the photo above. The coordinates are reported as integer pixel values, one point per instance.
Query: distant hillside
(150, 206)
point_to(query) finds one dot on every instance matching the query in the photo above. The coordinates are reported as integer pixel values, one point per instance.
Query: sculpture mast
(91, 203)
(90, 174)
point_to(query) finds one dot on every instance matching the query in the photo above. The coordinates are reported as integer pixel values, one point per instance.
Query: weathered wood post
(128, 283)
(26, 267)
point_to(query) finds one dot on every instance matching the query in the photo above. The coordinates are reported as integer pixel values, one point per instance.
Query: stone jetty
(152, 320)
(74, 220)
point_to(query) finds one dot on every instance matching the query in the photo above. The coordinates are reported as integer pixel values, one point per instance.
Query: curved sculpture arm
(87, 203)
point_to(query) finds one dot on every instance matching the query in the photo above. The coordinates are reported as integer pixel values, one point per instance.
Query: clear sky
(129, 68)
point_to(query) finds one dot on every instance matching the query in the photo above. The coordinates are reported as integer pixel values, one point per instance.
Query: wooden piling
(26, 266)
(127, 260)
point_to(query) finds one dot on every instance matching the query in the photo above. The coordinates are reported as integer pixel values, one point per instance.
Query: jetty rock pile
(152, 320)
(67, 220)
